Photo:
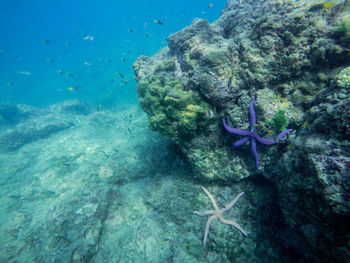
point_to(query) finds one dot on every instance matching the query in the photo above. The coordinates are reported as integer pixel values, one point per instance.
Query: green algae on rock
(171, 109)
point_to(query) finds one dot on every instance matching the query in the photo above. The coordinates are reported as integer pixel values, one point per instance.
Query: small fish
(87, 64)
(130, 30)
(269, 131)
(1, 51)
(46, 41)
(319, 7)
(120, 74)
(291, 92)
(327, 5)
(304, 124)
(147, 35)
(232, 75)
(289, 146)
(9, 84)
(99, 106)
(68, 44)
(19, 167)
(159, 22)
(230, 79)
(88, 37)
(75, 88)
(69, 74)
(26, 73)
(123, 59)
(50, 60)
(60, 71)
(210, 6)
(193, 244)
(108, 60)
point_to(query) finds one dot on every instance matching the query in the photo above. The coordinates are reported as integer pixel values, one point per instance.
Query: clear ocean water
(46, 40)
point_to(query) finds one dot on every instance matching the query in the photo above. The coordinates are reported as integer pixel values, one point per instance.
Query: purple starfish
(251, 134)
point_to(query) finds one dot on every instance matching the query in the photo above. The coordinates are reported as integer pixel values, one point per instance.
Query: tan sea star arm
(229, 205)
(233, 223)
(211, 198)
(207, 228)
(205, 213)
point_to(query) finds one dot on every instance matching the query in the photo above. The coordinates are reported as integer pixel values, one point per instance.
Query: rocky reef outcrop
(293, 58)
(22, 124)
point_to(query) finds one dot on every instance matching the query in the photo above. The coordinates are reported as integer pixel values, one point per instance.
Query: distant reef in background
(293, 57)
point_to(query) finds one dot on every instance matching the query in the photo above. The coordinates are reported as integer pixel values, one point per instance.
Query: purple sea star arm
(263, 140)
(252, 114)
(241, 142)
(280, 136)
(255, 152)
(235, 131)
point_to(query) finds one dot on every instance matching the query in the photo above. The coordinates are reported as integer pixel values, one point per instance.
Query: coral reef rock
(293, 58)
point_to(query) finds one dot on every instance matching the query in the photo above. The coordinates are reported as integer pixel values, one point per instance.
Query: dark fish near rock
(316, 8)
(319, 7)
(230, 79)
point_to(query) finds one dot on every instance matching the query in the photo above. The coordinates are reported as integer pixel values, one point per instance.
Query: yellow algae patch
(192, 107)
(188, 114)
(210, 175)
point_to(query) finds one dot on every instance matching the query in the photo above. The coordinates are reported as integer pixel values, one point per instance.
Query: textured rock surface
(59, 193)
(23, 124)
(109, 190)
(293, 57)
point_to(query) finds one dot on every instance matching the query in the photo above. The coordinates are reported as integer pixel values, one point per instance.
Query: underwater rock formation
(11, 113)
(293, 58)
(25, 124)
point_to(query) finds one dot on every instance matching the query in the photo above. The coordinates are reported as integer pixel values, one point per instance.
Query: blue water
(43, 51)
